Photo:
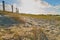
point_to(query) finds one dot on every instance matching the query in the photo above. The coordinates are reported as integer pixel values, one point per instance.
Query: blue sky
(40, 6)
(10, 1)
(53, 2)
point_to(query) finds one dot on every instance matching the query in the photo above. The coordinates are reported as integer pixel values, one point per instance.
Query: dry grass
(31, 33)
(24, 33)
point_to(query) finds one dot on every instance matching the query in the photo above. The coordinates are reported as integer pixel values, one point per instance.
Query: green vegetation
(18, 15)
(49, 16)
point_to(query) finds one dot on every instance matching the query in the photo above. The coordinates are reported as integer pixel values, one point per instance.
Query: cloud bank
(38, 7)
(34, 7)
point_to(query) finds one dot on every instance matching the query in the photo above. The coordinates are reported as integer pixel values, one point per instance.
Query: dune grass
(17, 15)
(18, 33)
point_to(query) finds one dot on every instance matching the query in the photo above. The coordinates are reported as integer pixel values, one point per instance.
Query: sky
(34, 6)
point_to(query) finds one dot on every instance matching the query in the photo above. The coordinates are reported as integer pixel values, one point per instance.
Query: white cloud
(37, 7)
(53, 9)
(57, 7)
(7, 7)
(34, 7)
